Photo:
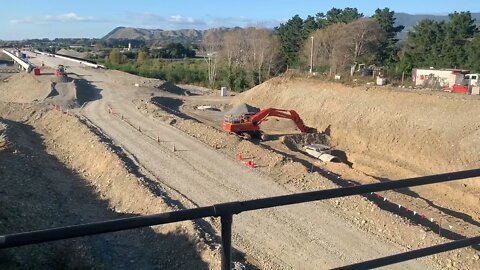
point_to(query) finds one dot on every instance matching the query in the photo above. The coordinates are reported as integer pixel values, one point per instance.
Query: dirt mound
(172, 88)
(24, 88)
(242, 109)
(72, 53)
(72, 94)
(62, 94)
(130, 79)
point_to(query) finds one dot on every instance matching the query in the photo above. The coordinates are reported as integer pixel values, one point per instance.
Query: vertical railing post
(226, 221)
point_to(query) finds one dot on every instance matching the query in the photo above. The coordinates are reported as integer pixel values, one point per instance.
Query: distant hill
(191, 35)
(195, 36)
(409, 20)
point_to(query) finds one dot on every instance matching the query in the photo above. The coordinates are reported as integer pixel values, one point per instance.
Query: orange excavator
(248, 125)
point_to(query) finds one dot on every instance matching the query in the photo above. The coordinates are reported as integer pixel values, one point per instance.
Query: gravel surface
(301, 236)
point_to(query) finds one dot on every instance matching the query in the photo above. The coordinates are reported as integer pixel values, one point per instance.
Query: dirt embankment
(419, 132)
(57, 172)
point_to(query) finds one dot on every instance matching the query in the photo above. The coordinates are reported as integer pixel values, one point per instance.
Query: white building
(435, 78)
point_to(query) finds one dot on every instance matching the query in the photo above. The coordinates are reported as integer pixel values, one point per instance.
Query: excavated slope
(385, 132)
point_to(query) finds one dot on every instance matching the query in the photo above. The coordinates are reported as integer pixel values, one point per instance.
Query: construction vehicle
(248, 125)
(61, 74)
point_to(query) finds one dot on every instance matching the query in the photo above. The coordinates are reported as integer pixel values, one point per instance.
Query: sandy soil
(368, 213)
(32, 89)
(277, 234)
(456, 216)
(203, 170)
(49, 181)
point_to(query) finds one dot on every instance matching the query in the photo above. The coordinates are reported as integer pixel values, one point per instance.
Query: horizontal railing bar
(47, 235)
(413, 254)
(26, 238)
(354, 190)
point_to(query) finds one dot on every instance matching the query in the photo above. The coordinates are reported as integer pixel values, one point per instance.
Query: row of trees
(248, 56)
(295, 31)
(343, 38)
(239, 59)
(336, 41)
(455, 44)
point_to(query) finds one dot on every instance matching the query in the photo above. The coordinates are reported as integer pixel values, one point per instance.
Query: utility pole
(311, 57)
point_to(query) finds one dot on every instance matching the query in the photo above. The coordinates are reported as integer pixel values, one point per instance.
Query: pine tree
(337, 15)
(424, 45)
(389, 51)
(291, 38)
(309, 26)
(473, 52)
(458, 30)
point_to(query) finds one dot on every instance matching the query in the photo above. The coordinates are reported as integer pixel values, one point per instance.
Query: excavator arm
(258, 118)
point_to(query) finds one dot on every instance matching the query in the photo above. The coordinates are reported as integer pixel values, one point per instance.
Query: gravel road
(307, 236)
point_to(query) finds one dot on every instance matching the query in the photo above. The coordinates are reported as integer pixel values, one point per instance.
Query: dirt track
(48, 180)
(199, 175)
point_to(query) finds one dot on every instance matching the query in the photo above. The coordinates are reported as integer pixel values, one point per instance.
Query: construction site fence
(226, 211)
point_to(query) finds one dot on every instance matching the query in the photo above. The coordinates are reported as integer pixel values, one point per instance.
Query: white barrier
(22, 63)
(71, 59)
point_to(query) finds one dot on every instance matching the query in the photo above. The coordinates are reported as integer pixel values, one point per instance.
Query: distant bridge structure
(21, 63)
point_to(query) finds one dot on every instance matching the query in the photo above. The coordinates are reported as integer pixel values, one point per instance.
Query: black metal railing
(226, 211)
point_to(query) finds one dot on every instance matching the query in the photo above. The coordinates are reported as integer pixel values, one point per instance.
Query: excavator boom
(258, 118)
(249, 124)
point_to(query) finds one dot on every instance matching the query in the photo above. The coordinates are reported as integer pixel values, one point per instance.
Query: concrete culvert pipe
(329, 158)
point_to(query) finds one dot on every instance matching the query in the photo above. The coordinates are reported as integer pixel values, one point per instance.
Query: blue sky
(87, 18)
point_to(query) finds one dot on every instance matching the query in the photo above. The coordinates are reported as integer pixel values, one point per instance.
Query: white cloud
(242, 22)
(149, 20)
(173, 22)
(63, 18)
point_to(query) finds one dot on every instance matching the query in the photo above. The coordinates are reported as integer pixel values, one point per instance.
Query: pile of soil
(131, 79)
(172, 88)
(62, 94)
(72, 53)
(24, 88)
